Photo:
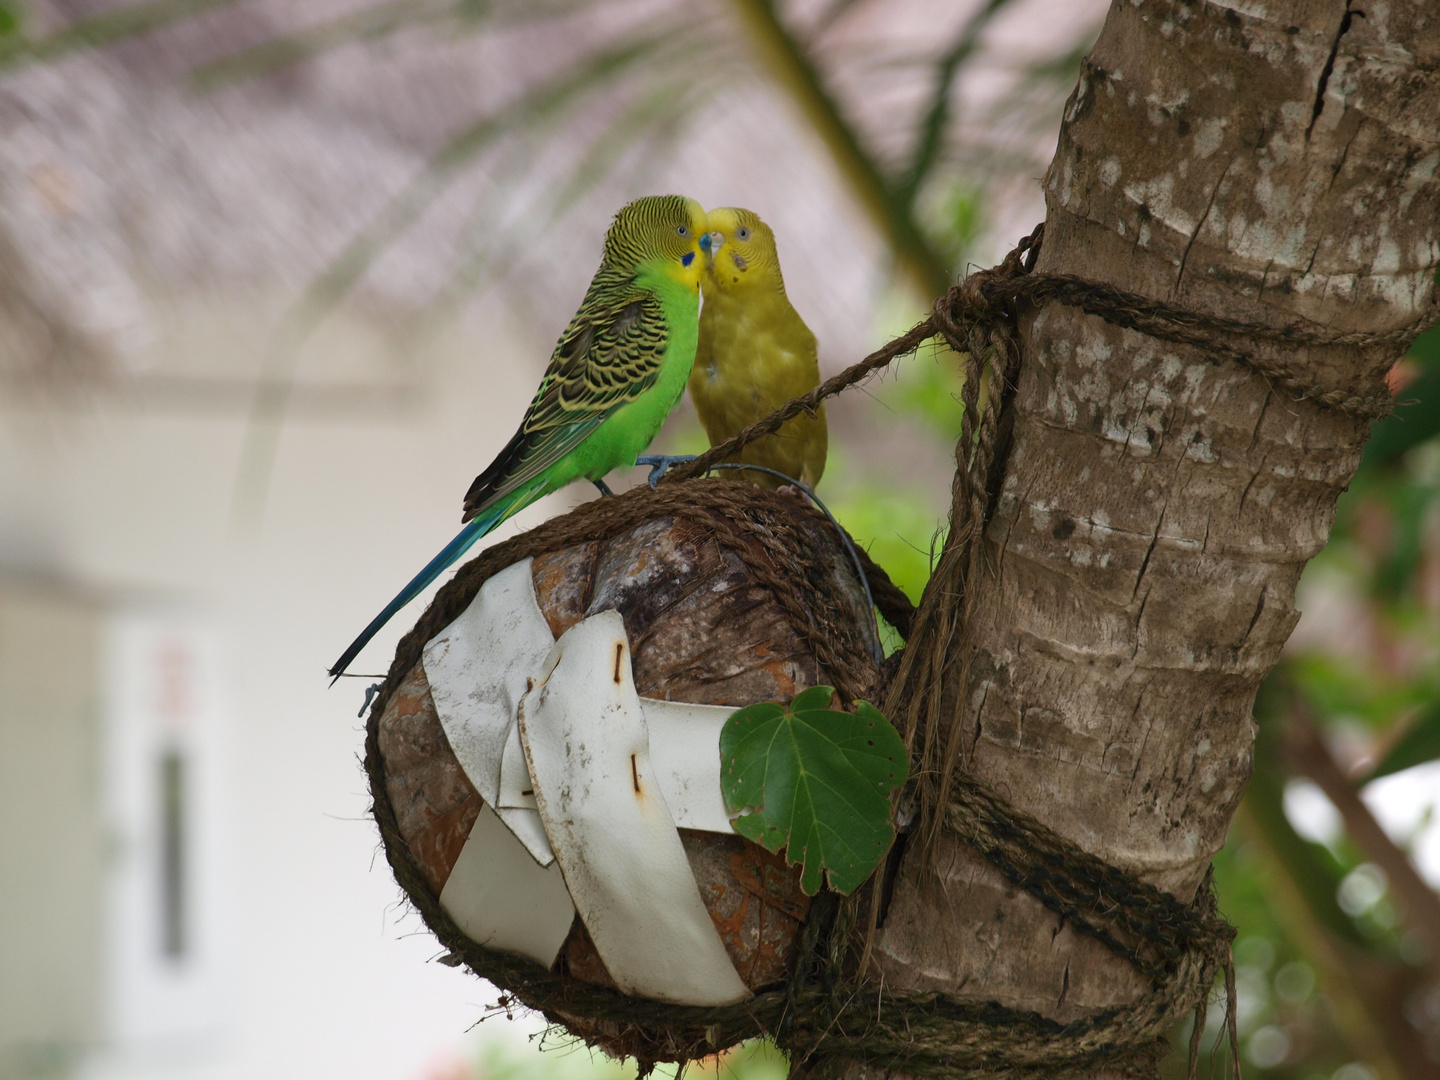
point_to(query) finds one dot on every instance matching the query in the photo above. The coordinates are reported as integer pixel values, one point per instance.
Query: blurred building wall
(110, 830)
(322, 972)
(51, 835)
(150, 244)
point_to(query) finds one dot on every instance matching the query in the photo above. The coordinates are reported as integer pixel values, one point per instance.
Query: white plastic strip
(530, 831)
(515, 787)
(587, 745)
(685, 750)
(502, 899)
(478, 667)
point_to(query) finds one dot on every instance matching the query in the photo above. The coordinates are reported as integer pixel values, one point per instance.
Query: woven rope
(826, 1008)
(763, 532)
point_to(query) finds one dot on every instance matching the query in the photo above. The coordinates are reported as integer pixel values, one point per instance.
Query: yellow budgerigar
(755, 352)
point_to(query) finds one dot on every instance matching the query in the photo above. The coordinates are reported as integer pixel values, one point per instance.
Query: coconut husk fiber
(703, 581)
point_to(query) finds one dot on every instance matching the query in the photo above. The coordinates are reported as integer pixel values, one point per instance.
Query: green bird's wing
(608, 356)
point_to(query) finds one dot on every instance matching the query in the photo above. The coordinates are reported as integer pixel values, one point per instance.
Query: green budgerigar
(616, 373)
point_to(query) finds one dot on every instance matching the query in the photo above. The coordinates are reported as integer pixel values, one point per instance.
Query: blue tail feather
(464, 540)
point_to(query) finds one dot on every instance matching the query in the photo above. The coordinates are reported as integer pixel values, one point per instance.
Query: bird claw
(370, 692)
(793, 491)
(660, 464)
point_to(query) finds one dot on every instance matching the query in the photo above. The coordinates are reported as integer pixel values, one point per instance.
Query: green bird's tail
(483, 522)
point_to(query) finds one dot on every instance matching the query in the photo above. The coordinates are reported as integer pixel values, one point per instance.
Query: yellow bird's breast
(755, 354)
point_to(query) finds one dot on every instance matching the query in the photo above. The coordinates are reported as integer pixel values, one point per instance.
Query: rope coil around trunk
(829, 1007)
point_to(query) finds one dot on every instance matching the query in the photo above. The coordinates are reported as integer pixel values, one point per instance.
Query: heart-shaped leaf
(815, 782)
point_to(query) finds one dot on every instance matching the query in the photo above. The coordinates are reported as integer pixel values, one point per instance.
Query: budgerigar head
(740, 251)
(660, 233)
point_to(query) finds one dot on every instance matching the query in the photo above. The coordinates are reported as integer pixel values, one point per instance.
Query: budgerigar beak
(710, 244)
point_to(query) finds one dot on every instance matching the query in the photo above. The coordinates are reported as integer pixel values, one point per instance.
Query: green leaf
(1419, 744)
(816, 782)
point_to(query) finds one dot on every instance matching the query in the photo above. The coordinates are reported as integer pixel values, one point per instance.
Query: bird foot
(660, 464)
(370, 692)
(793, 491)
(604, 487)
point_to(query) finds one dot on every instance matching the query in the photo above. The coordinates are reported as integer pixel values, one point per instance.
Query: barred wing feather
(608, 356)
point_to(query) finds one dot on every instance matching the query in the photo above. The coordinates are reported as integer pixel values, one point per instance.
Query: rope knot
(986, 300)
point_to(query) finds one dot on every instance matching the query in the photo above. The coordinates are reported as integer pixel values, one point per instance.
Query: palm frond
(532, 108)
(370, 23)
(106, 28)
(934, 123)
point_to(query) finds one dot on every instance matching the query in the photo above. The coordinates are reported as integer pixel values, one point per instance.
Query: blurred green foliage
(899, 530)
(958, 222)
(111, 24)
(1416, 418)
(563, 1058)
(927, 392)
(1419, 743)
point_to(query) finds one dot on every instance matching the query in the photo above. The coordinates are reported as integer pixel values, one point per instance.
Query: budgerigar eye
(742, 233)
(682, 230)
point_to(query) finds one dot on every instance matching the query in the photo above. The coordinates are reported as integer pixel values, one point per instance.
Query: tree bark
(1261, 162)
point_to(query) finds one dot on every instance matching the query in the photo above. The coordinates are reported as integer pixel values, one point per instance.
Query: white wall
(324, 974)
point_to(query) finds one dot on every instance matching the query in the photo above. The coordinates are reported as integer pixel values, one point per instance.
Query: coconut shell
(702, 629)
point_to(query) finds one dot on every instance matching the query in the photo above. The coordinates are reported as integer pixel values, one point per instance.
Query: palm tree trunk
(1158, 506)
